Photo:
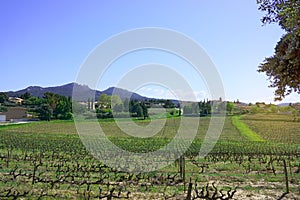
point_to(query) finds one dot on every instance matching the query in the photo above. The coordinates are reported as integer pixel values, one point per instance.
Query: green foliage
(116, 103)
(61, 105)
(255, 109)
(145, 109)
(230, 107)
(126, 105)
(104, 101)
(267, 108)
(115, 100)
(284, 12)
(26, 95)
(34, 101)
(117, 109)
(283, 67)
(63, 108)
(139, 110)
(3, 97)
(175, 112)
(103, 113)
(169, 104)
(45, 112)
(52, 106)
(203, 108)
(3, 109)
(166, 103)
(272, 109)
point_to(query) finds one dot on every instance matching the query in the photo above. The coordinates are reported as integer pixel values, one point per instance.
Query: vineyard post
(34, 171)
(179, 166)
(8, 157)
(286, 177)
(182, 169)
(189, 193)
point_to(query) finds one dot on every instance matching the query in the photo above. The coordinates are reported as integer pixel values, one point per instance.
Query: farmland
(47, 160)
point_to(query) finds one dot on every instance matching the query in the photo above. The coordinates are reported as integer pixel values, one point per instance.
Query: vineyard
(47, 160)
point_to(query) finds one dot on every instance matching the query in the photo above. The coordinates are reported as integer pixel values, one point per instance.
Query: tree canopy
(3, 97)
(283, 68)
(104, 101)
(56, 106)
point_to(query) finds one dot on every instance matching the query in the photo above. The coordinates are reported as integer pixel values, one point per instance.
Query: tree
(126, 105)
(3, 97)
(230, 107)
(51, 99)
(92, 104)
(115, 99)
(145, 110)
(45, 112)
(132, 106)
(26, 95)
(63, 108)
(139, 111)
(118, 108)
(116, 103)
(169, 104)
(283, 68)
(34, 101)
(89, 104)
(104, 101)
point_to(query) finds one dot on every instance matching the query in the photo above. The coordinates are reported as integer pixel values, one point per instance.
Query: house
(14, 114)
(16, 100)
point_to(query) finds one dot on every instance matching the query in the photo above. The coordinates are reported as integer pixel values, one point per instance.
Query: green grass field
(47, 160)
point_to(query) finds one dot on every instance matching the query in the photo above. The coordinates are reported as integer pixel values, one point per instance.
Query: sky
(45, 43)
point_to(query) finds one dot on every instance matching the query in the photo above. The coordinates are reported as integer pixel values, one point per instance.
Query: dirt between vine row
(257, 191)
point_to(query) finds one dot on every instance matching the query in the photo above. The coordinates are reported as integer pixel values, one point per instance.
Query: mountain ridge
(67, 90)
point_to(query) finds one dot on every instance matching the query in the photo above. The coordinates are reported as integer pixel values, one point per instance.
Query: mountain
(67, 90)
(123, 94)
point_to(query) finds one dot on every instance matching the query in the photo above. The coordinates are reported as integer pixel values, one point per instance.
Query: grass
(245, 130)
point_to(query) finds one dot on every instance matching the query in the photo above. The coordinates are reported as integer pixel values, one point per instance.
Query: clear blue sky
(45, 42)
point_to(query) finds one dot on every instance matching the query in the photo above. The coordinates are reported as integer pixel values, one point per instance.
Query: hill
(67, 90)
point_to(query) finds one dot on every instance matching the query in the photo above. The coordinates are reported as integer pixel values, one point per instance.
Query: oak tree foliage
(283, 68)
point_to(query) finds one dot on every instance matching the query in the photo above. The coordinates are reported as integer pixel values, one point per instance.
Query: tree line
(50, 106)
(113, 106)
(55, 106)
(207, 107)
